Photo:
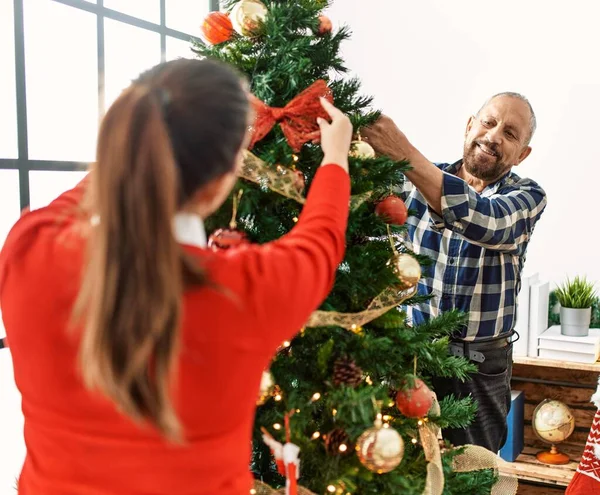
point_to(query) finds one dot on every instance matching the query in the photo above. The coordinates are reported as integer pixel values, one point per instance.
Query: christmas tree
(352, 386)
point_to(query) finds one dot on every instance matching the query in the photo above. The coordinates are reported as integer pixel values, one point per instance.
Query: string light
(379, 416)
(316, 396)
(287, 343)
(357, 329)
(298, 411)
(343, 447)
(316, 435)
(368, 380)
(420, 422)
(414, 440)
(386, 425)
(334, 412)
(387, 417)
(252, 491)
(277, 426)
(278, 398)
(391, 404)
(295, 219)
(295, 158)
(331, 489)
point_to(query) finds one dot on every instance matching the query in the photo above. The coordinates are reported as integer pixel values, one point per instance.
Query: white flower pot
(575, 322)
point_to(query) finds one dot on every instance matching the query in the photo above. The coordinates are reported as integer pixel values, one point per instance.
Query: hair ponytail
(130, 299)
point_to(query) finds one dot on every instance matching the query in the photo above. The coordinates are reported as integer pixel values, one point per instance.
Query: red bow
(298, 119)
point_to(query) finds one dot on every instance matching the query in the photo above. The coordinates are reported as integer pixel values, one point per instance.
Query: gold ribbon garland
(386, 300)
(473, 458)
(282, 180)
(279, 179)
(261, 488)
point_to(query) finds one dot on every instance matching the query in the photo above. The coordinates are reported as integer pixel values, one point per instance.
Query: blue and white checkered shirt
(478, 245)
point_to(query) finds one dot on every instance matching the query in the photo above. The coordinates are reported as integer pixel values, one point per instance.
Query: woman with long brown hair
(137, 351)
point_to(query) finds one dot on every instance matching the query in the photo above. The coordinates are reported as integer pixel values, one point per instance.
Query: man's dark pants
(490, 388)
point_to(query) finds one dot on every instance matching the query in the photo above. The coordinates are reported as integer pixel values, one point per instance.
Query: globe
(553, 423)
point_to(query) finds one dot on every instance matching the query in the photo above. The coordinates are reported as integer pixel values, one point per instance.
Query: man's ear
(524, 154)
(469, 125)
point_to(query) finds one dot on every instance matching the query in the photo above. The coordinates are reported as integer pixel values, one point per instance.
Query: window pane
(128, 52)
(9, 201)
(8, 93)
(62, 81)
(177, 48)
(186, 15)
(46, 186)
(149, 10)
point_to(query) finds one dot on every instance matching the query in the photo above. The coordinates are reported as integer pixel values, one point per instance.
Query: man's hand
(385, 137)
(388, 140)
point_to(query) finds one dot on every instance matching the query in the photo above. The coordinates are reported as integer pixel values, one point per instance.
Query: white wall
(432, 63)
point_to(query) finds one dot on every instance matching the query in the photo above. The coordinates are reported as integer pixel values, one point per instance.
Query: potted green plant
(576, 299)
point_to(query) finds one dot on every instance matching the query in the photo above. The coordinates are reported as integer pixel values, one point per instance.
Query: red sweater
(77, 442)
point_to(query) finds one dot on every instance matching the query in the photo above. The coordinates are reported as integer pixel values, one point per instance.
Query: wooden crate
(571, 383)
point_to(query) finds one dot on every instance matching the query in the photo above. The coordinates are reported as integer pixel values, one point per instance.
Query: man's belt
(474, 350)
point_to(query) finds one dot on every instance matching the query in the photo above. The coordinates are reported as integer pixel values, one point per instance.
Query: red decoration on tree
(415, 402)
(226, 239)
(230, 237)
(393, 210)
(217, 28)
(299, 181)
(298, 119)
(325, 25)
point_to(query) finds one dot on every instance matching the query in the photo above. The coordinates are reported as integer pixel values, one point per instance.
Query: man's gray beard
(483, 171)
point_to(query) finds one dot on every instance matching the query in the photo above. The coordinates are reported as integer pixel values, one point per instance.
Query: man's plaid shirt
(478, 245)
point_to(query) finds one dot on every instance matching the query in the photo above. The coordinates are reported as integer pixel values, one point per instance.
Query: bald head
(518, 96)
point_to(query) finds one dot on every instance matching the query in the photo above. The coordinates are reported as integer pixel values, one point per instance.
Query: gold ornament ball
(407, 269)
(362, 150)
(380, 450)
(266, 387)
(247, 15)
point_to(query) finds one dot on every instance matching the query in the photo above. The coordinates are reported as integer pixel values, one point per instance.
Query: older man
(474, 218)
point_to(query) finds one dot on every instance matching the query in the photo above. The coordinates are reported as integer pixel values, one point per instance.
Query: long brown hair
(176, 128)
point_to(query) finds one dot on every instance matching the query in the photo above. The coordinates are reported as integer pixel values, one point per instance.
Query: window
(8, 91)
(47, 185)
(128, 51)
(62, 96)
(73, 58)
(185, 15)
(177, 48)
(149, 10)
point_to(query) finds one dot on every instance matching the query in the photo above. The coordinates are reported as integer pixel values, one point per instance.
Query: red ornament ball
(226, 239)
(299, 181)
(325, 25)
(415, 402)
(217, 28)
(392, 210)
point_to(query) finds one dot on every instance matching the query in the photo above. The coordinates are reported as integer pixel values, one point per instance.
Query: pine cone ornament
(337, 442)
(346, 372)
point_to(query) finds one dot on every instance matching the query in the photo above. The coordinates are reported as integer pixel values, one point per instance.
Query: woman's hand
(336, 136)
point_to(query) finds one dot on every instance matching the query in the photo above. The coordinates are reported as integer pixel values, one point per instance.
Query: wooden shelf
(528, 468)
(551, 363)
